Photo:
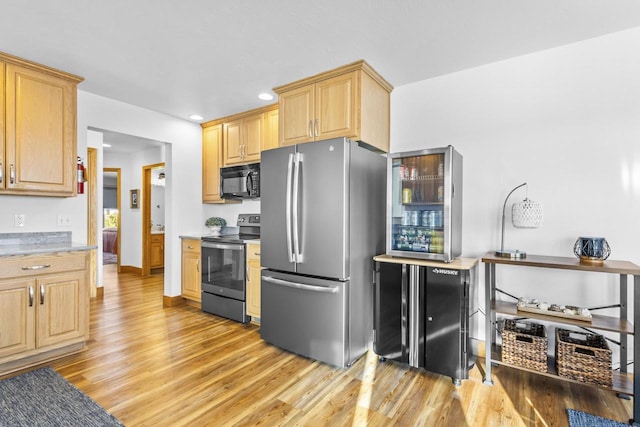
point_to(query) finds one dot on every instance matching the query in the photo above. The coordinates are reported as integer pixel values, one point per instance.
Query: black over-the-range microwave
(240, 182)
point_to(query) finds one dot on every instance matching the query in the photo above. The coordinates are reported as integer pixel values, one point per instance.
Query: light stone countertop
(39, 242)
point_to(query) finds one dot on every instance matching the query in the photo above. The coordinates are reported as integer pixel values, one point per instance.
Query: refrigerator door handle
(287, 210)
(327, 289)
(296, 193)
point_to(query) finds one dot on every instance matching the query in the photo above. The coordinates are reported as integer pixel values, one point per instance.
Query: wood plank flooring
(155, 366)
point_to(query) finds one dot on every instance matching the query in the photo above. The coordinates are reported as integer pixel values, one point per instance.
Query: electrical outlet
(19, 220)
(64, 220)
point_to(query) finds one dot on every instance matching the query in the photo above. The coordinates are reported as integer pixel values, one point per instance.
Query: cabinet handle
(41, 294)
(1, 173)
(315, 127)
(36, 267)
(30, 296)
(256, 253)
(12, 175)
(198, 266)
(190, 247)
(309, 134)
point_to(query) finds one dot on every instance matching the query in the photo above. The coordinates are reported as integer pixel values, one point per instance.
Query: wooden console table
(621, 324)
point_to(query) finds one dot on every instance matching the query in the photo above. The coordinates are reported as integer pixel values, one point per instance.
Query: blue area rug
(43, 398)
(582, 419)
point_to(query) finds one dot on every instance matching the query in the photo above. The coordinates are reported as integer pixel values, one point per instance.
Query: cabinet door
(16, 316)
(61, 308)
(211, 160)
(253, 290)
(252, 134)
(3, 164)
(445, 338)
(296, 115)
(232, 141)
(157, 250)
(335, 107)
(390, 311)
(270, 139)
(253, 280)
(40, 132)
(191, 270)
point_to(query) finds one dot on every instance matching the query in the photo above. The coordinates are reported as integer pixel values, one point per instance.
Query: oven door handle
(231, 246)
(327, 289)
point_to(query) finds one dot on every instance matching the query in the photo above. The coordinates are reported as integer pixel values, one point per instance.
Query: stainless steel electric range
(224, 270)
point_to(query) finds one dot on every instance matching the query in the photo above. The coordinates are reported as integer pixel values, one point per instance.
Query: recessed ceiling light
(265, 96)
(104, 144)
(196, 117)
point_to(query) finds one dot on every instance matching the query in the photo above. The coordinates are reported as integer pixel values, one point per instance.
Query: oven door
(223, 269)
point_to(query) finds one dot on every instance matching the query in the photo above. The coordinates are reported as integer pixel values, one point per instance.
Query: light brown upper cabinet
(243, 139)
(211, 163)
(235, 140)
(271, 124)
(38, 147)
(351, 101)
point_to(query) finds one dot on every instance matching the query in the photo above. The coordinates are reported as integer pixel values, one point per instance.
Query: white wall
(567, 121)
(183, 190)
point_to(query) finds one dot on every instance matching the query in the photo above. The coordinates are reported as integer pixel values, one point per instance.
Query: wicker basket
(524, 344)
(583, 357)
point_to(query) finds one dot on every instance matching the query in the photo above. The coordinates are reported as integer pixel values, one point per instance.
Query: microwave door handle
(296, 194)
(287, 213)
(249, 183)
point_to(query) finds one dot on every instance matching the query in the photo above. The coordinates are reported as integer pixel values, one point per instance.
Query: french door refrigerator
(323, 213)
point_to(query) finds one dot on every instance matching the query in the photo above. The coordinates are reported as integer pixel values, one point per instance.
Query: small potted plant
(215, 224)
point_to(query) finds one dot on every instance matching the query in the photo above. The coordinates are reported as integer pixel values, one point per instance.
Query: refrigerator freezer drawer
(306, 316)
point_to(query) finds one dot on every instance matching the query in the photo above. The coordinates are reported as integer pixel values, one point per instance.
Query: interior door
(323, 203)
(274, 171)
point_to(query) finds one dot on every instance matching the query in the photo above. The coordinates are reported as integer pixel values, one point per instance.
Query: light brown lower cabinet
(157, 250)
(191, 270)
(44, 308)
(253, 280)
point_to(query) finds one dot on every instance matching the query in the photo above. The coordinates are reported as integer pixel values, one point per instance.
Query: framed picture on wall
(134, 198)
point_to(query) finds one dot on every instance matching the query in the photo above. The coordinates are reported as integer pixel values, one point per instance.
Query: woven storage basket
(583, 357)
(524, 344)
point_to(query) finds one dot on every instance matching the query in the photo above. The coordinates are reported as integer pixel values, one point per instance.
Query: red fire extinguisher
(81, 179)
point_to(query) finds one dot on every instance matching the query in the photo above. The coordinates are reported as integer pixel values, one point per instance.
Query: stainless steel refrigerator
(323, 217)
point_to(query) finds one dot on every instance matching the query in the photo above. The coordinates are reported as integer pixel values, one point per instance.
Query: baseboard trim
(172, 301)
(130, 269)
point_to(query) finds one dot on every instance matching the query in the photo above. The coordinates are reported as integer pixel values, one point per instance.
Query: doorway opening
(110, 217)
(153, 220)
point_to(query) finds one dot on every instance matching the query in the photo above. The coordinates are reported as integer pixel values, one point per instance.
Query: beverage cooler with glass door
(424, 204)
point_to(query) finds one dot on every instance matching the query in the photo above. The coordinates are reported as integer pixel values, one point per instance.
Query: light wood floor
(155, 366)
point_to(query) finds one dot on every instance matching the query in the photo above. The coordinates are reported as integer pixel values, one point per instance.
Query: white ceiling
(213, 57)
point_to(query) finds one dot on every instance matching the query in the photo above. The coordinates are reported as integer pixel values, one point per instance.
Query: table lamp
(524, 214)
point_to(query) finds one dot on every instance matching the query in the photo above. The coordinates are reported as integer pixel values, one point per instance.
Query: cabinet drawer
(190, 245)
(253, 253)
(35, 265)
